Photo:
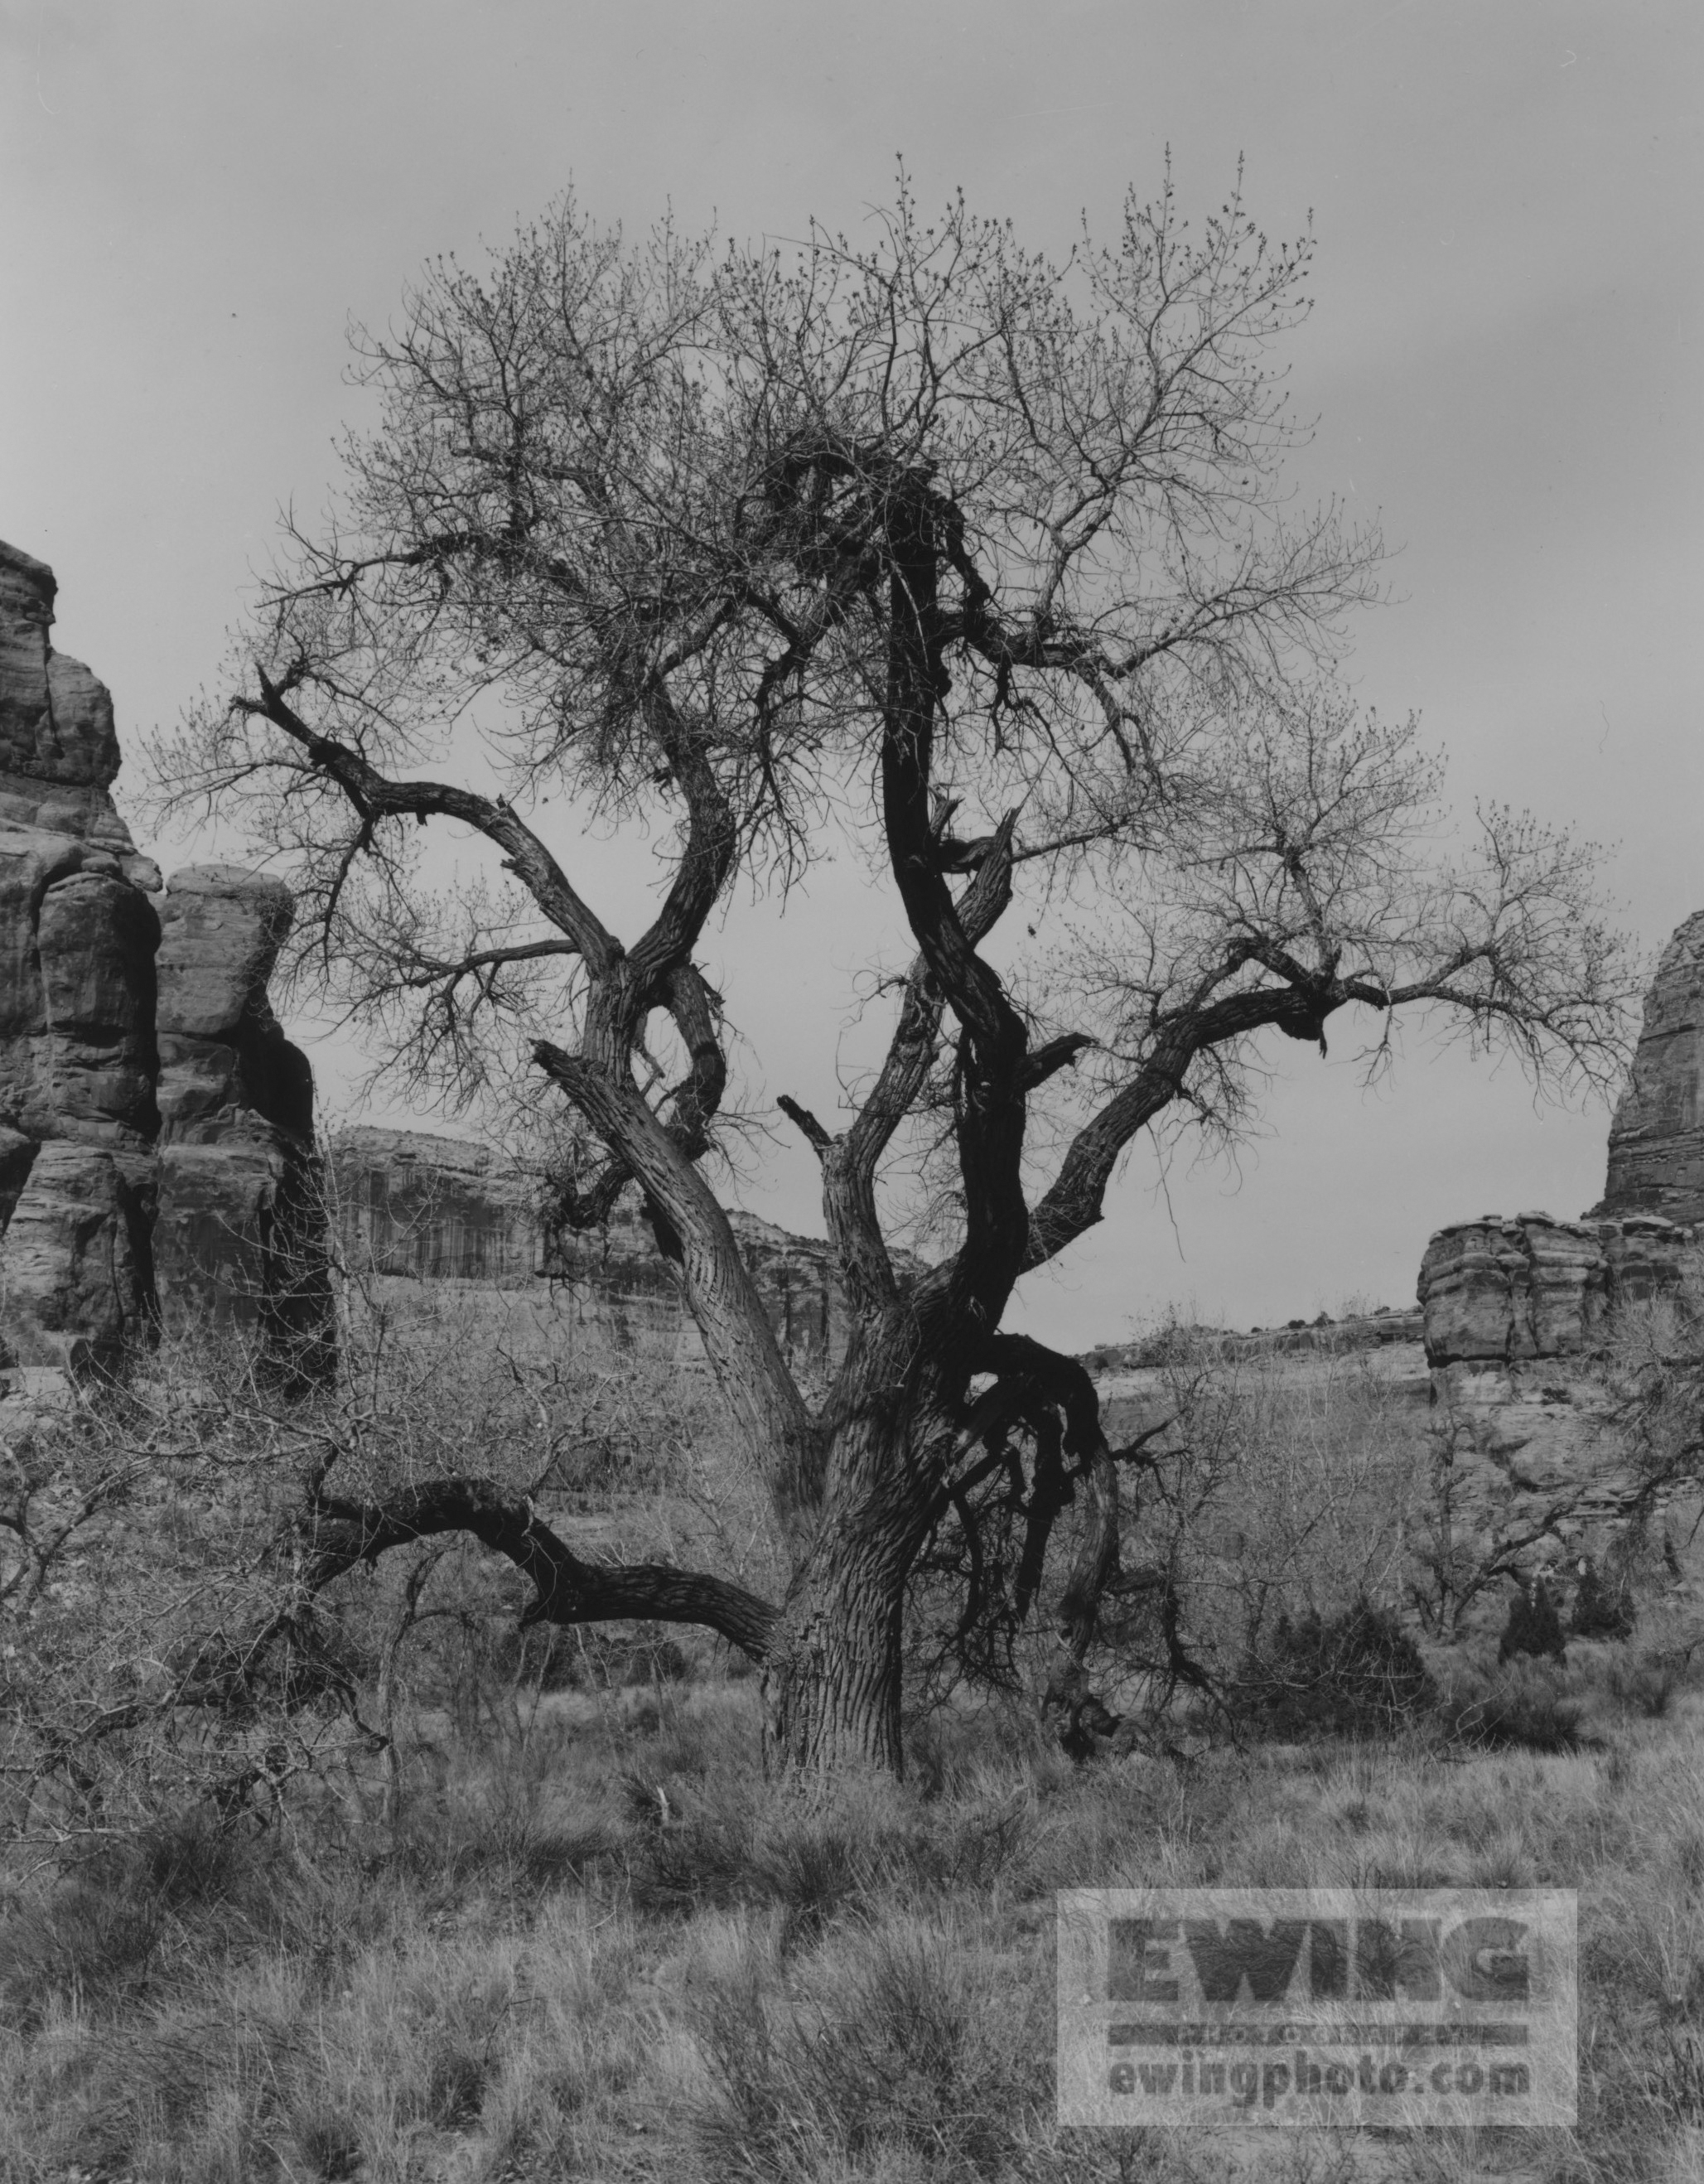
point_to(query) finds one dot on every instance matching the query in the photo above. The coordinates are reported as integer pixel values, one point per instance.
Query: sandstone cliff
(1531, 1446)
(59, 748)
(1531, 1288)
(412, 1203)
(78, 1118)
(155, 1125)
(1520, 1315)
(1656, 1139)
(237, 1235)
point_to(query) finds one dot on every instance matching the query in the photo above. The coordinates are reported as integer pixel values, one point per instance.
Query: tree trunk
(832, 1689)
(833, 1679)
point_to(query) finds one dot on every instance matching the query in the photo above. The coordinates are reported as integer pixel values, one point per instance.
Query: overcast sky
(1504, 357)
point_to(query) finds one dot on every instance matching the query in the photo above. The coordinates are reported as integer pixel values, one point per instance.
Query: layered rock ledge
(1518, 1291)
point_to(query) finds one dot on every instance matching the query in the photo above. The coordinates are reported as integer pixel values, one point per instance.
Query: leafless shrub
(163, 1643)
(1268, 1492)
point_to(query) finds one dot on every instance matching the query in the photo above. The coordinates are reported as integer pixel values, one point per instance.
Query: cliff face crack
(1522, 1318)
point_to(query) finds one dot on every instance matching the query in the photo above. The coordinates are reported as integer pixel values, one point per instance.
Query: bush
(166, 1656)
(899, 2052)
(1647, 1680)
(1525, 1704)
(96, 1936)
(1274, 1492)
(1533, 1626)
(1647, 1687)
(1359, 1672)
(1601, 1609)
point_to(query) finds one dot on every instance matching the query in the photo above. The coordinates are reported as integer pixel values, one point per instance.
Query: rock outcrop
(1656, 1139)
(433, 1208)
(238, 1233)
(412, 1203)
(1531, 1432)
(59, 748)
(1530, 1288)
(1529, 1437)
(78, 1118)
(156, 1127)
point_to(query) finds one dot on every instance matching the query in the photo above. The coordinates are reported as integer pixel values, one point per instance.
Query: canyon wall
(413, 1203)
(410, 1203)
(155, 1124)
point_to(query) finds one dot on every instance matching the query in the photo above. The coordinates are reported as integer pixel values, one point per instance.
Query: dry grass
(546, 1968)
(146, 1538)
(574, 1932)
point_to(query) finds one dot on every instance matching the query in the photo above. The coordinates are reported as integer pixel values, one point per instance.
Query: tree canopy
(983, 562)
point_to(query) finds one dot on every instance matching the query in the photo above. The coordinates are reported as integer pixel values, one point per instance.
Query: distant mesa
(429, 1207)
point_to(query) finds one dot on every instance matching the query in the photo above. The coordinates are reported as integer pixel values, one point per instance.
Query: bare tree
(985, 562)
